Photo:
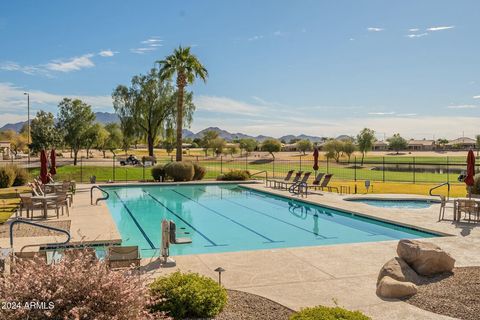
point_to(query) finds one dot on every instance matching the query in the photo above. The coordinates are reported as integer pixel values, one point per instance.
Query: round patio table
(45, 199)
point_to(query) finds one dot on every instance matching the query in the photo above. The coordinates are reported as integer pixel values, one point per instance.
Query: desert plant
(21, 176)
(180, 171)
(188, 295)
(158, 172)
(235, 175)
(328, 313)
(7, 177)
(76, 287)
(476, 184)
(199, 171)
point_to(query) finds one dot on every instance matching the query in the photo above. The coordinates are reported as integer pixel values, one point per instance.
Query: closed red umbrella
(469, 181)
(315, 159)
(43, 167)
(53, 164)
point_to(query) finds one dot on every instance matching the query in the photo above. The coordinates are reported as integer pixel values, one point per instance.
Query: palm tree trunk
(179, 122)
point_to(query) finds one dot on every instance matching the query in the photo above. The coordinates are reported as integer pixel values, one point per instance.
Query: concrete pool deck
(304, 276)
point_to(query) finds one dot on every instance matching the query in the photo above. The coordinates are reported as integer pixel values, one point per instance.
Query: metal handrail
(40, 226)
(298, 186)
(441, 185)
(99, 199)
(264, 171)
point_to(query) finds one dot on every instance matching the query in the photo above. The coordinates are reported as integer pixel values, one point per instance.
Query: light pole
(28, 125)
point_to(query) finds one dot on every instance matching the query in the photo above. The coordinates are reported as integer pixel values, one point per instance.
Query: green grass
(9, 201)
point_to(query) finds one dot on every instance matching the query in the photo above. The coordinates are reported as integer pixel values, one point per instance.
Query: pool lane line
(188, 224)
(280, 220)
(228, 218)
(150, 243)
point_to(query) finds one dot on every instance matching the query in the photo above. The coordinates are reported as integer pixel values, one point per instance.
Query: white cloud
(374, 29)
(419, 35)
(13, 66)
(463, 106)
(142, 50)
(413, 30)
(72, 64)
(279, 33)
(256, 37)
(226, 105)
(406, 114)
(381, 113)
(476, 97)
(440, 28)
(14, 102)
(107, 53)
(148, 45)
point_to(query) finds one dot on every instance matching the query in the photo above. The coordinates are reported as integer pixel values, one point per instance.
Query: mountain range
(106, 117)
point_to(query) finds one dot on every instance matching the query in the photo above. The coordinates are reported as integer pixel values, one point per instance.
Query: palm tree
(187, 67)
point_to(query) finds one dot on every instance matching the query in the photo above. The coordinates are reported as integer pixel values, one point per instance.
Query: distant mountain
(101, 117)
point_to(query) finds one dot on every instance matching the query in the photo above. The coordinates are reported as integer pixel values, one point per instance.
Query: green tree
(102, 140)
(18, 141)
(169, 141)
(91, 137)
(304, 146)
(146, 105)
(43, 133)
(187, 68)
(218, 145)
(397, 143)
(115, 137)
(208, 139)
(349, 148)
(477, 143)
(75, 117)
(248, 145)
(232, 149)
(365, 141)
(333, 149)
(271, 146)
(442, 142)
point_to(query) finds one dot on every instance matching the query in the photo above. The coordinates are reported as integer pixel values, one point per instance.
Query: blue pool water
(397, 204)
(227, 217)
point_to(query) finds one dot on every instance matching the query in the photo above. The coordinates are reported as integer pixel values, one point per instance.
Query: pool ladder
(299, 188)
(107, 195)
(439, 186)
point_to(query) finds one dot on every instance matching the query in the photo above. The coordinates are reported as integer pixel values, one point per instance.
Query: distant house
(380, 146)
(289, 147)
(421, 145)
(5, 149)
(462, 143)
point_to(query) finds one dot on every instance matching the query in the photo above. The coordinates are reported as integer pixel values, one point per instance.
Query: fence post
(383, 168)
(413, 169)
(221, 164)
(300, 162)
(273, 167)
(327, 165)
(355, 169)
(448, 171)
(113, 167)
(81, 169)
(143, 172)
(246, 161)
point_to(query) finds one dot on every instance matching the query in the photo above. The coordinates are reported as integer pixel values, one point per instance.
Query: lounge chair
(316, 183)
(275, 181)
(123, 257)
(295, 179)
(325, 183)
(304, 179)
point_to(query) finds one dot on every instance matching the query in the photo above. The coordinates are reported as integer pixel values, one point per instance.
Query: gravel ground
(247, 306)
(24, 230)
(456, 295)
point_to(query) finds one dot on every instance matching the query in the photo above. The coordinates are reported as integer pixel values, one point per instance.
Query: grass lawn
(9, 201)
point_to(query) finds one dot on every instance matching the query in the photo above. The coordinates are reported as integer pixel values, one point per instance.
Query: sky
(275, 67)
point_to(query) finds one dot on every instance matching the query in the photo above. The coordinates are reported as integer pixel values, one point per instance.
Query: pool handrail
(40, 226)
(98, 199)
(441, 185)
(263, 171)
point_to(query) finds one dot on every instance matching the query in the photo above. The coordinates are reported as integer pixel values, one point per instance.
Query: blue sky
(276, 67)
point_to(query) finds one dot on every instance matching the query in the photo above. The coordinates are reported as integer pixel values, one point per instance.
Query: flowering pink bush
(78, 287)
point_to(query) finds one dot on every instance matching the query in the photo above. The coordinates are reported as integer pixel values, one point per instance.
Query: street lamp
(28, 125)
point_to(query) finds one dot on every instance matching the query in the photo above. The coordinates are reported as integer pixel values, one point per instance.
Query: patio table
(53, 186)
(45, 199)
(457, 216)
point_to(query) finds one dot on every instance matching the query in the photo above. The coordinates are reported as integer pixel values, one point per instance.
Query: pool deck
(298, 277)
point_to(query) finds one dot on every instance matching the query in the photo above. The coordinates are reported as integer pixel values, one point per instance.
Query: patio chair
(287, 178)
(61, 202)
(36, 189)
(468, 207)
(295, 179)
(123, 257)
(444, 205)
(27, 203)
(325, 183)
(316, 183)
(304, 179)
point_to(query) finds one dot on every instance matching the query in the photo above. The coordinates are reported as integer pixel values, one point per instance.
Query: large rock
(398, 269)
(394, 289)
(425, 258)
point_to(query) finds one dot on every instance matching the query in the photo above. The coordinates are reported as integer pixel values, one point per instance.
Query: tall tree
(248, 145)
(208, 140)
(148, 103)
(349, 148)
(91, 137)
(365, 140)
(115, 137)
(271, 146)
(397, 142)
(75, 117)
(304, 145)
(43, 133)
(187, 68)
(333, 149)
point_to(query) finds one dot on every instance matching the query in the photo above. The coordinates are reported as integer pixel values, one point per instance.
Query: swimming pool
(396, 204)
(228, 217)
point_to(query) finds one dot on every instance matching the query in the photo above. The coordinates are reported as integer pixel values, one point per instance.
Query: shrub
(180, 171)
(21, 176)
(77, 287)
(476, 184)
(158, 172)
(199, 171)
(327, 313)
(235, 175)
(188, 295)
(7, 177)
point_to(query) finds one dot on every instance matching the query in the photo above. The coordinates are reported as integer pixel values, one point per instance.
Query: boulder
(394, 289)
(398, 269)
(425, 258)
